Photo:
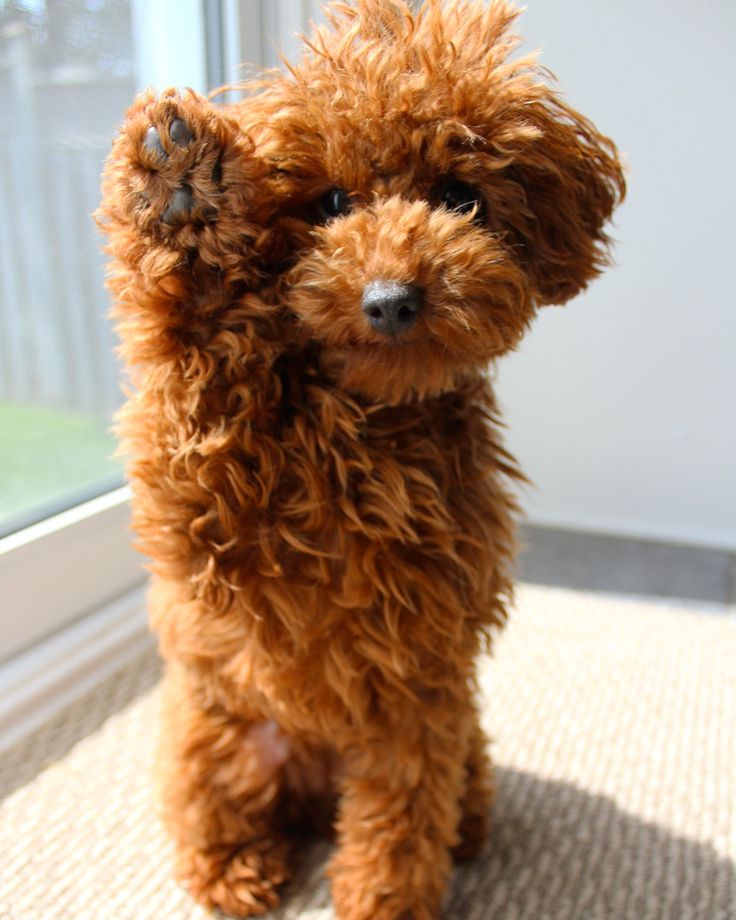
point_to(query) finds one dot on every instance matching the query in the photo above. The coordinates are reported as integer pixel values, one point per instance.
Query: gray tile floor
(593, 562)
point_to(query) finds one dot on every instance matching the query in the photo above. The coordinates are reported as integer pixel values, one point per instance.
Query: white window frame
(256, 32)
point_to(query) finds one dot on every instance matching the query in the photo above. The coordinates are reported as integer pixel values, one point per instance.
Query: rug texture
(615, 737)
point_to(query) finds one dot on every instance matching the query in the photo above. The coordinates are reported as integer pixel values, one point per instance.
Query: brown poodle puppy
(309, 286)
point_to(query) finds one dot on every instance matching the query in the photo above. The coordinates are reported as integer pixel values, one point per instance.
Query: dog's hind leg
(477, 796)
(222, 777)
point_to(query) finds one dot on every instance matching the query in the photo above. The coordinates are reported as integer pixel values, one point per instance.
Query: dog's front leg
(399, 818)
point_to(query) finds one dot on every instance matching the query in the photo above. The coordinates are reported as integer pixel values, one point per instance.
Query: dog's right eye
(457, 195)
(334, 203)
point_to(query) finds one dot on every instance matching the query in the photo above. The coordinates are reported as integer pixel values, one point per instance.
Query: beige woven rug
(615, 728)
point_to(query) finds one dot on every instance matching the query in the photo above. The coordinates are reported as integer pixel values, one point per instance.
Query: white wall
(621, 405)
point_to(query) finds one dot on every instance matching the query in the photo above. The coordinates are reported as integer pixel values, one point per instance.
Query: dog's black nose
(390, 306)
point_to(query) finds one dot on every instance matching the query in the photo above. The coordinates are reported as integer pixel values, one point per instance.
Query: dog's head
(439, 192)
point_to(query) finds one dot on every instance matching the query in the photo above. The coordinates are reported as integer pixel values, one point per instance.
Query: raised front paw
(176, 147)
(183, 175)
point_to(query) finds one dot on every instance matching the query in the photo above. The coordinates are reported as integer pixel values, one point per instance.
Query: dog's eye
(334, 203)
(459, 196)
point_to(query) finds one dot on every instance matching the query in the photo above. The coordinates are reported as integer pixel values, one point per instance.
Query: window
(64, 68)
(68, 71)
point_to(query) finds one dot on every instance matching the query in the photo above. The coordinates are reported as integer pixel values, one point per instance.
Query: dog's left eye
(334, 203)
(457, 195)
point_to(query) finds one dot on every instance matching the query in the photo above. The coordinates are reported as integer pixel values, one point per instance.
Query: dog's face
(438, 192)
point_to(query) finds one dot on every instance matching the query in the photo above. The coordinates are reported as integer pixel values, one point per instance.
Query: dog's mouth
(394, 371)
(399, 341)
(399, 357)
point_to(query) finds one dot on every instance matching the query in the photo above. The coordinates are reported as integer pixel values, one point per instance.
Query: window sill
(40, 682)
(59, 570)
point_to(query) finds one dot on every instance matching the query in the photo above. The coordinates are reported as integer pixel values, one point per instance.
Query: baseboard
(37, 684)
(624, 565)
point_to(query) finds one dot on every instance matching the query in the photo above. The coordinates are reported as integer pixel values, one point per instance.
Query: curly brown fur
(325, 498)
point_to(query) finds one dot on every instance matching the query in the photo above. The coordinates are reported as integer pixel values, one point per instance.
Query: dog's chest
(380, 509)
(388, 476)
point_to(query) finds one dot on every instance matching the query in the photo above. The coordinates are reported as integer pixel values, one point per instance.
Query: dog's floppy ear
(569, 180)
(557, 179)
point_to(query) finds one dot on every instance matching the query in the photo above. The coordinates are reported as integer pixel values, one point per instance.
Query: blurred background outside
(66, 75)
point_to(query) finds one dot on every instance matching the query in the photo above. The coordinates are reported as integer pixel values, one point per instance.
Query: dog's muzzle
(391, 307)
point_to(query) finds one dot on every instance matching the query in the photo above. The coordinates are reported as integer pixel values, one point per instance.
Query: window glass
(67, 74)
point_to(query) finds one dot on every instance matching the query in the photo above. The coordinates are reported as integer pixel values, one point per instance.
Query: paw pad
(152, 143)
(180, 206)
(161, 151)
(180, 133)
